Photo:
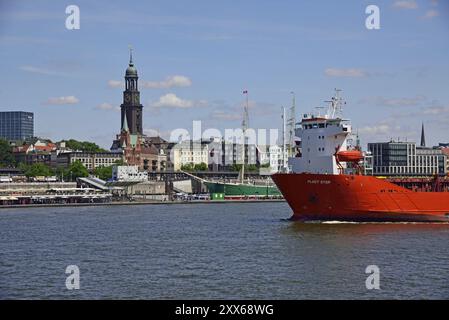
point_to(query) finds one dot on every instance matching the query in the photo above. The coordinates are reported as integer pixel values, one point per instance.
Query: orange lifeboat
(349, 156)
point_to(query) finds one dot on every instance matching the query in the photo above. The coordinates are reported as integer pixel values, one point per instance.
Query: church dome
(131, 70)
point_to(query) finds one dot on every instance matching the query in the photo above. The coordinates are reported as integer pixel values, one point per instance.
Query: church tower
(423, 137)
(131, 108)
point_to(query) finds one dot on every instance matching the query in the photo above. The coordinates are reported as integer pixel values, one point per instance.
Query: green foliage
(76, 170)
(201, 167)
(236, 167)
(6, 156)
(248, 167)
(251, 168)
(85, 146)
(187, 167)
(62, 173)
(36, 170)
(266, 165)
(104, 173)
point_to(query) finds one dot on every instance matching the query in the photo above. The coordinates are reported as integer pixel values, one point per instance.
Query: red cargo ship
(327, 182)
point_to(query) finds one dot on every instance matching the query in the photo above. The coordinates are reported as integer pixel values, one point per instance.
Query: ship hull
(239, 190)
(358, 198)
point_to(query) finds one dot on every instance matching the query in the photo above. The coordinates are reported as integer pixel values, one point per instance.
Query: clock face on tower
(127, 98)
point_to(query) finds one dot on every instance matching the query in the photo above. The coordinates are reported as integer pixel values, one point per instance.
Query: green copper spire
(131, 56)
(125, 124)
(131, 70)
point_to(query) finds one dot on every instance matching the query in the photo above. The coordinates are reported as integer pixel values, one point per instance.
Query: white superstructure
(321, 137)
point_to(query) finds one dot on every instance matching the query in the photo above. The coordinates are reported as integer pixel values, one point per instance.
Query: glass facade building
(405, 158)
(16, 125)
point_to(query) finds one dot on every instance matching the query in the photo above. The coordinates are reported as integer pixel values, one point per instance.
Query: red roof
(445, 151)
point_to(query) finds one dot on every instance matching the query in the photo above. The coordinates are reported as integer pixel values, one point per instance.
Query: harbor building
(135, 184)
(128, 173)
(16, 125)
(445, 150)
(189, 152)
(36, 151)
(272, 156)
(90, 160)
(406, 159)
(224, 155)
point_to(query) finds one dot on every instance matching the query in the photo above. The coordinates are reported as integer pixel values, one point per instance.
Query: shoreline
(133, 203)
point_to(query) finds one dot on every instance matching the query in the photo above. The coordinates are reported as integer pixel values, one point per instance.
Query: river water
(214, 251)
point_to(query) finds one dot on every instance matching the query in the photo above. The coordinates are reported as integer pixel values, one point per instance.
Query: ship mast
(335, 105)
(245, 124)
(284, 141)
(291, 126)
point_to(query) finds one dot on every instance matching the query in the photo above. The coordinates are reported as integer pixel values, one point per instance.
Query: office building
(16, 125)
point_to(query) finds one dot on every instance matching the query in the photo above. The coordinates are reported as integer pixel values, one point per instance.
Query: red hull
(359, 198)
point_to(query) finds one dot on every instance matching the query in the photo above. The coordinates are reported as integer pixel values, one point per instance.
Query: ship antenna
(335, 105)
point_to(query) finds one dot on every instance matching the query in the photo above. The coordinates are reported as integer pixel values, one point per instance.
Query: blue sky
(194, 58)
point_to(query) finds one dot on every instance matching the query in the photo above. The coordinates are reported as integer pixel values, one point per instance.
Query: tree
(104, 173)
(251, 168)
(62, 173)
(187, 167)
(6, 156)
(84, 146)
(248, 167)
(77, 170)
(201, 167)
(236, 167)
(36, 170)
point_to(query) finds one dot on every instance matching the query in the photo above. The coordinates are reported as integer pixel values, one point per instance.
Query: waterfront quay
(154, 188)
(45, 193)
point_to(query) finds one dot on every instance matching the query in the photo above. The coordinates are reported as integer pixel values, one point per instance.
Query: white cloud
(351, 73)
(62, 100)
(170, 100)
(227, 116)
(107, 106)
(386, 130)
(169, 82)
(405, 4)
(375, 130)
(165, 134)
(40, 71)
(436, 110)
(394, 102)
(116, 84)
(432, 13)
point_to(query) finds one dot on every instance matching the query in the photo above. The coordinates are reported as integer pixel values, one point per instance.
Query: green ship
(229, 191)
(242, 189)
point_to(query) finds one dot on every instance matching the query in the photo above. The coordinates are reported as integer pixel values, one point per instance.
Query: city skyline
(195, 59)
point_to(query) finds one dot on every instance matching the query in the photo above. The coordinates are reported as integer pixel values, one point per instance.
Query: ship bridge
(321, 138)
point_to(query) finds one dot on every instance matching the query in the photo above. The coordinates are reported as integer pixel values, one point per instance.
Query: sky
(195, 58)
